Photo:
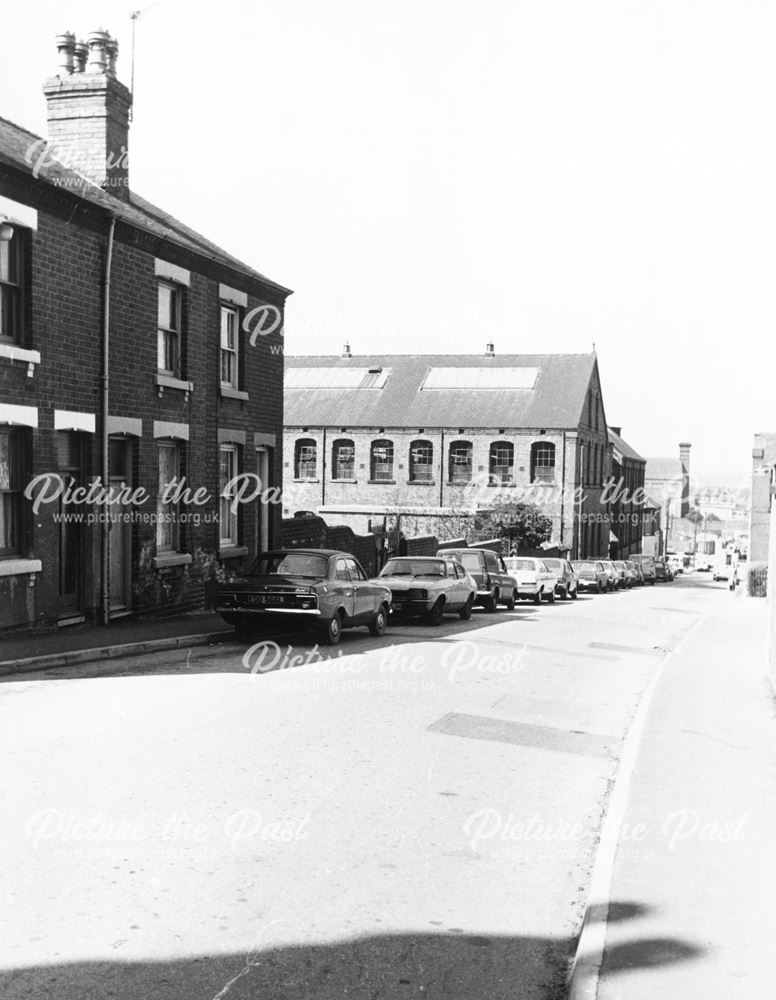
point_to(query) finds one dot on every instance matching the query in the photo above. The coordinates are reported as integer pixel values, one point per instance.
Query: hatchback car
(591, 575)
(627, 575)
(322, 588)
(428, 587)
(613, 576)
(567, 578)
(638, 573)
(647, 564)
(535, 579)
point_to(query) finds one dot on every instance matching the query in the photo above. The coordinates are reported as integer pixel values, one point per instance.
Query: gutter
(105, 526)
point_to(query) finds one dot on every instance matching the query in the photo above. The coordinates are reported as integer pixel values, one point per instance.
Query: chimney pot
(346, 350)
(65, 51)
(112, 52)
(81, 51)
(490, 351)
(98, 43)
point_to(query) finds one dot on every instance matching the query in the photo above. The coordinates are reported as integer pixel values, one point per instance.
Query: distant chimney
(490, 351)
(88, 112)
(617, 430)
(346, 350)
(684, 453)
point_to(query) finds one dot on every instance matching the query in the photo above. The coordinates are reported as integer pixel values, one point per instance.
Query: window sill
(341, 480)
(421, 482)
(169, 382)
(233, 552)
(15, 353)
(459, 482)
(501, 486)
(169, 559)
(304, 479)
(228, 392)
(18, 567)
(542, 482)
(381, 482)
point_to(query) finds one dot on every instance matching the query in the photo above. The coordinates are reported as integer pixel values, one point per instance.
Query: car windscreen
(289, 564)
(414, 567)
(585, 567)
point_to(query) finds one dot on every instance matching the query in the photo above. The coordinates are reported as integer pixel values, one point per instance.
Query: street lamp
(6, 231)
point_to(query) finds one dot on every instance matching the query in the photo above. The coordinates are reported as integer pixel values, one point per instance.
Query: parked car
(567, 578)
(535, 579)
(591, 575)
(612, 573)
(661, 571)
(424, 586)
(322, 588)
(624, 579)
(647, 564)
(628, 571)
(676, 564)
(494, 584)
(638, 572)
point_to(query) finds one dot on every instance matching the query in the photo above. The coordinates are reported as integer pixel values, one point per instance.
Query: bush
(757, 580)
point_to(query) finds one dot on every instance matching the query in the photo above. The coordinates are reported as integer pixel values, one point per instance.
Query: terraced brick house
(125, 364)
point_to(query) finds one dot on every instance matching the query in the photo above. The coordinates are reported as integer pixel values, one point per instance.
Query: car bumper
(528, 589)
(410, 608)
(589, 584)
(270, 612)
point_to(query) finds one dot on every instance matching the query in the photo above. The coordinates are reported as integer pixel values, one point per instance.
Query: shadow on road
(444, 965)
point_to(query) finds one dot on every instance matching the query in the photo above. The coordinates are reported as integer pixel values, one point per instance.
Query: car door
(459, 589)
(363, 592)
(346, 591)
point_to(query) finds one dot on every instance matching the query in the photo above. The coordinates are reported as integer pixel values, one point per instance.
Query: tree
(522, 525)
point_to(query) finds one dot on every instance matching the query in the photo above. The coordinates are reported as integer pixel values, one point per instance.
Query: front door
(120, 528)
(71, 459)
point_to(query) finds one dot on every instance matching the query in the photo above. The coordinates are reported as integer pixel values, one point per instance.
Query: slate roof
(556, 401)
(623, 447)
(15, 144)
(664, 468)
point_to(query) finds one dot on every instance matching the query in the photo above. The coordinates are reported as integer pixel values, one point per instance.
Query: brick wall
(65, 317)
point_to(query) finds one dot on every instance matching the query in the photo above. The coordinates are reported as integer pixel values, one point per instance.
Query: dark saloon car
(296, 588)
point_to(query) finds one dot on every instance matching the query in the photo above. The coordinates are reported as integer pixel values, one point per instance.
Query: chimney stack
(617, 430)
(684, 453)
(346, 350)
(490, 350)
(88, 112)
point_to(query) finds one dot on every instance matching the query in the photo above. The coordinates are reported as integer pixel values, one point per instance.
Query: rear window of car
(289, 564)
(554, 563)
(521, 564)
(471, 560)
(414, 567)
(587, 566)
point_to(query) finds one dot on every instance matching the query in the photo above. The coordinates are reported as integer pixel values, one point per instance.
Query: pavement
(75, 644)
(695, 850)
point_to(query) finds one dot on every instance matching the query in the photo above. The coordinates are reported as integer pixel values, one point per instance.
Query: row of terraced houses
(142, 418)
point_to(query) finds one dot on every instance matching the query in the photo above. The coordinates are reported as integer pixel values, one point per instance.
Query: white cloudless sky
(428, 175)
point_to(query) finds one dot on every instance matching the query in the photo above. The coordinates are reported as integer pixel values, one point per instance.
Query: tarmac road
(414, 816)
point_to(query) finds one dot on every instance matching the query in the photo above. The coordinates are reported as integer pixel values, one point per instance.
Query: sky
(431, 175)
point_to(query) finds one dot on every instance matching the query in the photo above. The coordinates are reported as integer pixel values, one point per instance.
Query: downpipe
(105, 526)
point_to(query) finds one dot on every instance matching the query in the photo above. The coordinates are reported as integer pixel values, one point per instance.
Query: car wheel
(511, 601)
(537, 598)
(562, 593)
(434, 617)
(652, 583)
(334, 630)
(466, 611)
(600, 587)
(550, 595)
(491, 603)
(380, 623)
(574, 593)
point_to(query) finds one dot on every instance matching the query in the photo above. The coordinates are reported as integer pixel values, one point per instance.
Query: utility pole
(771, 584)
